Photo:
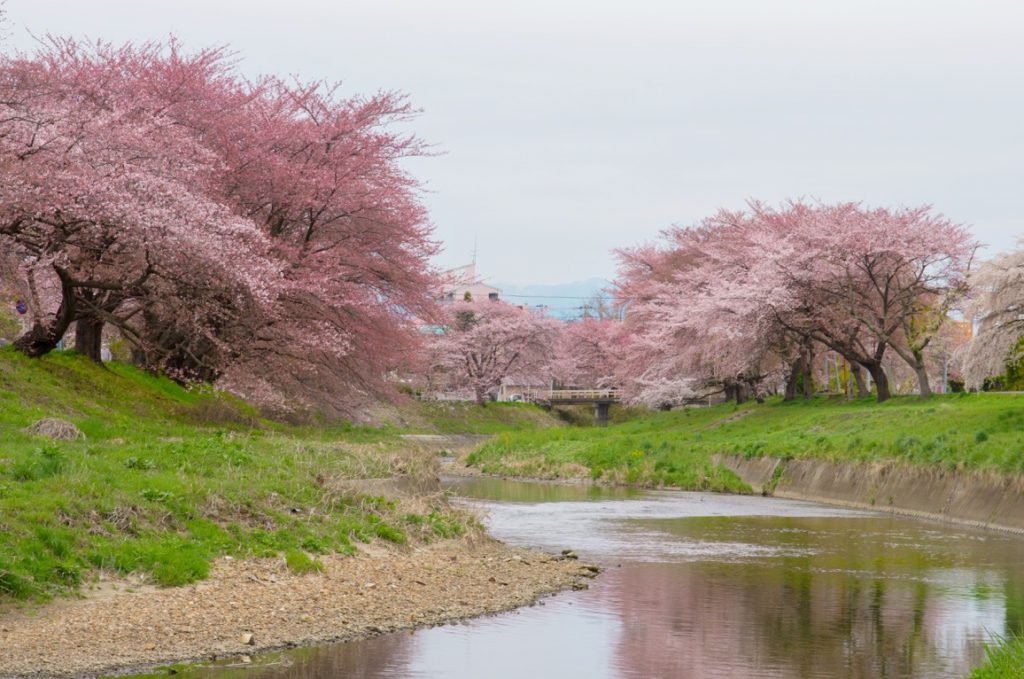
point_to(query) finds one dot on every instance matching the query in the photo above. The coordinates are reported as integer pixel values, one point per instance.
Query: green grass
(300, 563)
(168, 479)
(460, 417)
(969, 431)
(1004, 660)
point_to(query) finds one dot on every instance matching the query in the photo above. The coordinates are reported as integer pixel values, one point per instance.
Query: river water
(700, 586)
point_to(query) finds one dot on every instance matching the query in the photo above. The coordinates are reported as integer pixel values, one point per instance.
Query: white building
(462, 283)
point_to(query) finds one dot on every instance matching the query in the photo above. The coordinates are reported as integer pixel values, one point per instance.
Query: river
(700, 585)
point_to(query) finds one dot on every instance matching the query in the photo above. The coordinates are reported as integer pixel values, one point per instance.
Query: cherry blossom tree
(693, 322)
(321, 174)
(997, 306)
(299, 189)
(484, 343)
(587, 353)
(861, 280)
(107, 201)
(745, 298)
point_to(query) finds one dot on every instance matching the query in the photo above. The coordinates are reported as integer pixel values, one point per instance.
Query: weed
(773, 482)
(1004, 659)
(40, 464)
(154, 495)
(301, 563)
(139, 463)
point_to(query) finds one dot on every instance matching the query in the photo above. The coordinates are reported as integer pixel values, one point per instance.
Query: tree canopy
(263, 231)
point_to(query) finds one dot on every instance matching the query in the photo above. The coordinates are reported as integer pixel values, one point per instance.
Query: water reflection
(867, 597)
(705, 586)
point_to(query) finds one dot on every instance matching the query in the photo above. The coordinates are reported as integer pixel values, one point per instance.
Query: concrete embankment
(972, 498)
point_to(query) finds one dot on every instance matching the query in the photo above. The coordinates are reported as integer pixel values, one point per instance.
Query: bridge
(601, 398)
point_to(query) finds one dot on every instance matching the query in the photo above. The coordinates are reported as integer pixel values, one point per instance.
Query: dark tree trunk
(808, 368)
(741, 394)
(792, 378)
(44, 336)
(89, 338)
(730, 391)
(880, 379)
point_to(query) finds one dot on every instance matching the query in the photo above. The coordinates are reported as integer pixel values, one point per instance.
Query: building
(462, 283)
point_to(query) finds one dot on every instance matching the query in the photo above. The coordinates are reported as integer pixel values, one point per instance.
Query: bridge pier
(601, 398)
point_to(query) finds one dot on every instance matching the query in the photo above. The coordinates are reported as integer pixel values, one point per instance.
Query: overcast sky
(569, 128)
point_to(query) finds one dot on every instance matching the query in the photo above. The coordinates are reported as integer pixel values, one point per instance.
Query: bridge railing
(549, 395)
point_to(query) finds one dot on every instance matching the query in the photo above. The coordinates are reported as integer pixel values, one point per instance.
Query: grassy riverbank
(969, 431)
(168, 479)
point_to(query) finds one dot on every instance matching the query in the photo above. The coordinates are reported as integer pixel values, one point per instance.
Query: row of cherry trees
(743, 302)
(262, 232)
(745, 299)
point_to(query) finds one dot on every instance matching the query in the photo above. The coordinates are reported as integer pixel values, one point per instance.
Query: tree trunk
(914, 357)
(863, 391)
(41, 338)
(481, 396)
(923, 388)
(44, 335)
(808, 375)
(795, 371)
(741, 394)
(880, 379)
(89, 338)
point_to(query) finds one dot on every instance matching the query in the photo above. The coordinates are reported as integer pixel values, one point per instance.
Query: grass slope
(168, 479)
(969, 431)
(462, 417)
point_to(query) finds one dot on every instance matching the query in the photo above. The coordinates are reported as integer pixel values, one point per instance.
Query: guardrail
(570, 395)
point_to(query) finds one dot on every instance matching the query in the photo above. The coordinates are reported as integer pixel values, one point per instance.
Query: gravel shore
(251, 606)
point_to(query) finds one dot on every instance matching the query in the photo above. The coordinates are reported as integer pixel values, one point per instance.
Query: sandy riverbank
(380, 590)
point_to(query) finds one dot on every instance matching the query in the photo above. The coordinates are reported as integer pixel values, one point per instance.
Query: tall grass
(1003, 660)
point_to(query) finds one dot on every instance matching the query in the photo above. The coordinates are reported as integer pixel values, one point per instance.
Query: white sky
(570, 127)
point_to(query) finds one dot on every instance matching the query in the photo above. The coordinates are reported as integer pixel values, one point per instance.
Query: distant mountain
(563, 300)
